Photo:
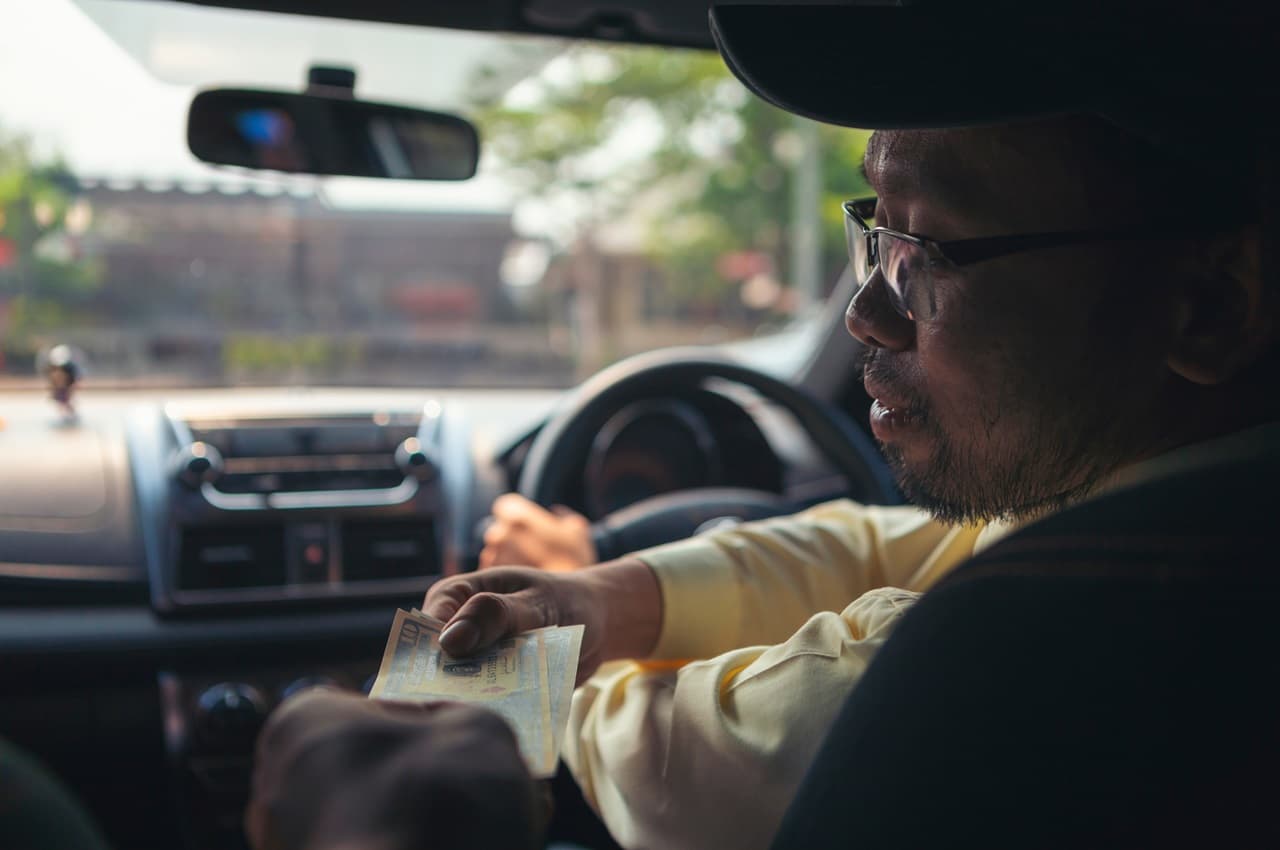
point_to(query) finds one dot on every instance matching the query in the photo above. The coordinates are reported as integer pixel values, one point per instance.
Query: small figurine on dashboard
(63, 371)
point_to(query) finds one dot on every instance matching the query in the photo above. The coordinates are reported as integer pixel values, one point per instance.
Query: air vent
(301, 475)
(222, 557)
(389, 549)
(265, 457)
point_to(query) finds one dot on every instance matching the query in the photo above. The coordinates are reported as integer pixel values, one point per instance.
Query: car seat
(1107, 677)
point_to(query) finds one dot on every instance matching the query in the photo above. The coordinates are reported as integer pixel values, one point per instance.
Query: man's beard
(953, 489)
(1019, 465)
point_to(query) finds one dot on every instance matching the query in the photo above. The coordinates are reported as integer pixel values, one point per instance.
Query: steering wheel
(557, 450)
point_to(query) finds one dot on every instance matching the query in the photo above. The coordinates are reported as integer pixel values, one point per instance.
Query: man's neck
(1167, 453)
(1255, 439)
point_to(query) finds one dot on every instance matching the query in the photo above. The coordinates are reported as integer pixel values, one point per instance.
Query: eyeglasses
(909, 264)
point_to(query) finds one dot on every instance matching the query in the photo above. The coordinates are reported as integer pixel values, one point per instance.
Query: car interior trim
(68, 572)
(675, 23)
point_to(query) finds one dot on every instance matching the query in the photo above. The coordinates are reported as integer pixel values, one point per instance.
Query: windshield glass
(628, 199)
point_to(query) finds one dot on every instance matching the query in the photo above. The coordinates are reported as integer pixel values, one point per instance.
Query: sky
(105, 84)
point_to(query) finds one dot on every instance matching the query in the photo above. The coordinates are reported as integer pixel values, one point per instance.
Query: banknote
(563, 646)
(510, 678)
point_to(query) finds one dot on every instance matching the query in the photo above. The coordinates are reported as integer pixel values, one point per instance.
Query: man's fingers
(512, 545)
(565, 512)
(446, 597)
(518, 514)
(461, 637)
(488, 617)
(516, 509)
(482, 620)
(516, 552)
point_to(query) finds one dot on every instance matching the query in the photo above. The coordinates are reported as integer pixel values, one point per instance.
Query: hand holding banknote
(527, 679)
(619, 604)
(337, 771)
(415, 767)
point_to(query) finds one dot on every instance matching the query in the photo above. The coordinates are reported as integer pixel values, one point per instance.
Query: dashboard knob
(230, 714)
(412, 458)
(196, 464)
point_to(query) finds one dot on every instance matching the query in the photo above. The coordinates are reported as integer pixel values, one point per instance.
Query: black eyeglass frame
(964, 252)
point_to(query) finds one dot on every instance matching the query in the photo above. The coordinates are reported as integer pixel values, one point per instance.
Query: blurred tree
(669, 141)
(41, 274)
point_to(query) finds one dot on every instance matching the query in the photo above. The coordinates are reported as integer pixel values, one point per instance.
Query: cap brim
(881, 67)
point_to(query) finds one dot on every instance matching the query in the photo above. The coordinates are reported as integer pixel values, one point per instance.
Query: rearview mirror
(328, 135)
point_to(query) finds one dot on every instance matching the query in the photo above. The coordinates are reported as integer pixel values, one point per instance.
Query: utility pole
(806, 216)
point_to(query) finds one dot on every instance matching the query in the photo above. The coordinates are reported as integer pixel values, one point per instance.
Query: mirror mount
(331, 81)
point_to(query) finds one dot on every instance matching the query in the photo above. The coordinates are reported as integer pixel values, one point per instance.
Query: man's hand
(620, 604)
(336, 770)
(523, 533)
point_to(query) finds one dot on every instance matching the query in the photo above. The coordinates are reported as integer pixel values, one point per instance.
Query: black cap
(1154, 68)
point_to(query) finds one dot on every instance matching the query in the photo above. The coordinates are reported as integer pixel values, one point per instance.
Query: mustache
(879, 367)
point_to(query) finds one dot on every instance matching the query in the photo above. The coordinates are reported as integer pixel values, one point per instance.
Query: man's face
(1042, 372)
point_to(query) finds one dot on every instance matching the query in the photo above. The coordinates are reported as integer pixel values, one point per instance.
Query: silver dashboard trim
(429, 423)
(369, 589)
(232, 501)
(70, 572)
(401, 493)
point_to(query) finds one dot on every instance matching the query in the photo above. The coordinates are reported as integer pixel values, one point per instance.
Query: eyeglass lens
(904, 265)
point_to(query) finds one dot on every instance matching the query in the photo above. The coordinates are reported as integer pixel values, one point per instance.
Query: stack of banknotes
(528, 679)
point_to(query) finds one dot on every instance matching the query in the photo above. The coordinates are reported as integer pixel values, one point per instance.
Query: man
(1043, 323)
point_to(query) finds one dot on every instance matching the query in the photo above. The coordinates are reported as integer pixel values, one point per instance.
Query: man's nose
(872, 319)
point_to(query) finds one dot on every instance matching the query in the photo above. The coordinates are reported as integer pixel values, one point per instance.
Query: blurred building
(194, 255)
(215, 284)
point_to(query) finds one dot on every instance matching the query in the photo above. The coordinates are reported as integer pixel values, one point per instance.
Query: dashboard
(172, 566)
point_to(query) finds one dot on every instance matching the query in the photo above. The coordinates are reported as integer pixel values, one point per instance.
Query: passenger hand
(337, 771)
(620, 605)
(523, 533)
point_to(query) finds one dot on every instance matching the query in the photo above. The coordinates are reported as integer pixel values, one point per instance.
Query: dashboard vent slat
(222, 557)
(385, 549)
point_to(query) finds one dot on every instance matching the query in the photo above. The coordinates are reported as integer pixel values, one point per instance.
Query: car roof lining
(677, 23)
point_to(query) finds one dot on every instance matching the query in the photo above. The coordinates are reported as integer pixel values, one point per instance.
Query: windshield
(628, 199)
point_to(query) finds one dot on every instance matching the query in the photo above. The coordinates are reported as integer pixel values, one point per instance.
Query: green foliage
(716, 178)
(34, 315)
(555, 140)
(41, 280)
(252, 354)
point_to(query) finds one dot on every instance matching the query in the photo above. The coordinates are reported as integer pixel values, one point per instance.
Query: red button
(314, 554)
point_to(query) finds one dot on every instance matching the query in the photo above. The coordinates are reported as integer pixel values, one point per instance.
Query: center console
(294, 508)
(281, 514)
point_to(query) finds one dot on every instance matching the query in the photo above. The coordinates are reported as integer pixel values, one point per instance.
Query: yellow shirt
(709, 753)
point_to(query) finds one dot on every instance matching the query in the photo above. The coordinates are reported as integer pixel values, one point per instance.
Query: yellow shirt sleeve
(757, 583)
(711, 754)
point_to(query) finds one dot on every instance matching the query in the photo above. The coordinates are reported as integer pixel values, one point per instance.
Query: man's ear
(1223, 320)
